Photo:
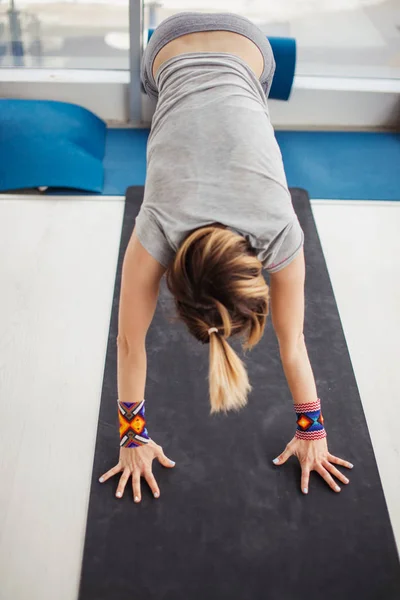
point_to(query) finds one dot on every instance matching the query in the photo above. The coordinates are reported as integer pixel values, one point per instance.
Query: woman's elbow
(290, 348)
(122, 343)
(129, 345)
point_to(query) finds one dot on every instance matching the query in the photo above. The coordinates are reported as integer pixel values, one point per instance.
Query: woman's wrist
(131, 372)
(310, 422)
(132, 424)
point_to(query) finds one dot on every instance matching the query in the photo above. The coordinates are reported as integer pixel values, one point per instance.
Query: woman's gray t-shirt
(212, 157)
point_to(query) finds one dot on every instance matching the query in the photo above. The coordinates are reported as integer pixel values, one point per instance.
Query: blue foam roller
(284, 50)
(48, 143)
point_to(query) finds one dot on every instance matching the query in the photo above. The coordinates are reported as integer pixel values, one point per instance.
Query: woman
(216, 212)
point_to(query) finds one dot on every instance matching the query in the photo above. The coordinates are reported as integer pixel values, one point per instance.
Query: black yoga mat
(229, 525)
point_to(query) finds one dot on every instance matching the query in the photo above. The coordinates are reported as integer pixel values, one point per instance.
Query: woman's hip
(186, 23)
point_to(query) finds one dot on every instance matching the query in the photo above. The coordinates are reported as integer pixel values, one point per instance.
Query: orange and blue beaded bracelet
(132, 424)
(310, 422)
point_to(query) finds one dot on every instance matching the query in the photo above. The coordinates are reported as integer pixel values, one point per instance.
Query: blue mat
(63, 146)
(47, 143)
(343, 165)
(360, 166)
(124, 160)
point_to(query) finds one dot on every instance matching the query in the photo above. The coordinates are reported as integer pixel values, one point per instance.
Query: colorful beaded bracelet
(310, 422)
(132, 424)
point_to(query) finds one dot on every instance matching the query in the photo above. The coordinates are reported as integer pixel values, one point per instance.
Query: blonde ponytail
(217, 283)
(228, 379)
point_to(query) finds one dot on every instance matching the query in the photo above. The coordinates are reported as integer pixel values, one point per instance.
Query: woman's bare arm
(287, 305)
(141, 275)
(287, 308)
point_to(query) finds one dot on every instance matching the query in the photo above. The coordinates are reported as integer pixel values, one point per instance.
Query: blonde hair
(217, 281)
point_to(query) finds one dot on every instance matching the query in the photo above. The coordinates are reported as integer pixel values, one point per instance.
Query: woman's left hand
(314, 456)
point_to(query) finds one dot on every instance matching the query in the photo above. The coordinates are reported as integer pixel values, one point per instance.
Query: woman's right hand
(138, 463)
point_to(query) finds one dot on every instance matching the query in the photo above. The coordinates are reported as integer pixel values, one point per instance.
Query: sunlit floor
(57, 270)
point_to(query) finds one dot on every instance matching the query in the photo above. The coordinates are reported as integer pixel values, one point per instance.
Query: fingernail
(305, 490)
(136, 498)
(351, 466)
(346, 480)
(101, 480)
(156, 494)
(118, 494)
(337, 489)
(275, 461)
(172, 462)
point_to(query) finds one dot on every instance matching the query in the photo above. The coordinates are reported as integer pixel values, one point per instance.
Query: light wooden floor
(57, 269)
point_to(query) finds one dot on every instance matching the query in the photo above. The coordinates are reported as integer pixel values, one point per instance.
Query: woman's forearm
(131, 368)
(299, 375)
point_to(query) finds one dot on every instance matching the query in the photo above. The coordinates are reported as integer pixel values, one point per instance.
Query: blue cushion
(48, 143)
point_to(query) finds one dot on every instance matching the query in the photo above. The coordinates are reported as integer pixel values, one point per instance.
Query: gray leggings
(191, 22)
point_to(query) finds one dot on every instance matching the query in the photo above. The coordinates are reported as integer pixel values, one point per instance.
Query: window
(342, 38)
(88, 52)
(80, 34)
